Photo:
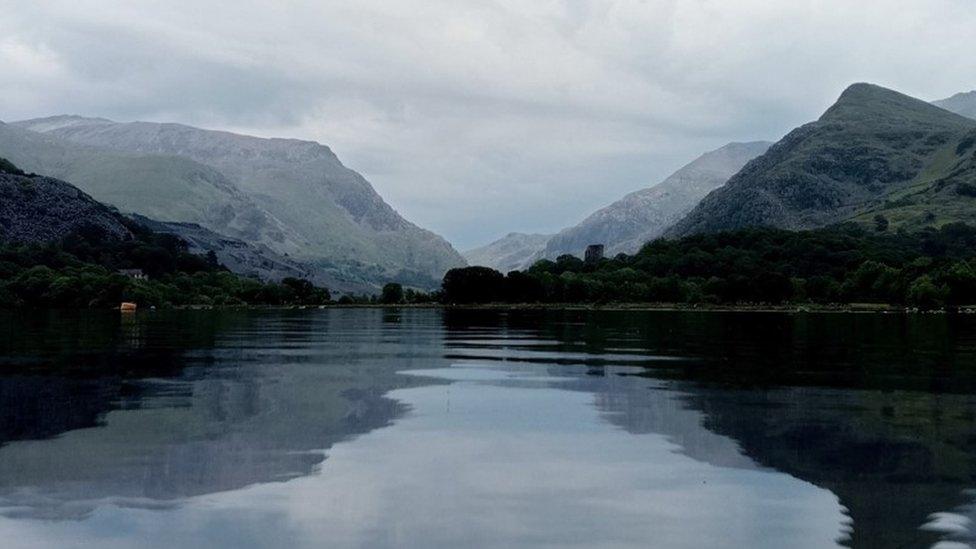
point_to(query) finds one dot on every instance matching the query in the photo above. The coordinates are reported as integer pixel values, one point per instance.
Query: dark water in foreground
(423, 428)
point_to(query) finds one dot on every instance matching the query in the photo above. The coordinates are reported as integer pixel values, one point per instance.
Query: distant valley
(513, 252)
(629, 223)
(877, 157)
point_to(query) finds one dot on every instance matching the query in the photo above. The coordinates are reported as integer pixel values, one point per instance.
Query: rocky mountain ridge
(642, 216)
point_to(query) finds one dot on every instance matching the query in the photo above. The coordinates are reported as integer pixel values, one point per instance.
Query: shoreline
(850, 308)
(663, 307)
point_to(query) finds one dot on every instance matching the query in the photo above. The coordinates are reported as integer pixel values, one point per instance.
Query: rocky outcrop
(41, 209)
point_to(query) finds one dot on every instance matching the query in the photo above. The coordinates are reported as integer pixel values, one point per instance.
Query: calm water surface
(425, 428)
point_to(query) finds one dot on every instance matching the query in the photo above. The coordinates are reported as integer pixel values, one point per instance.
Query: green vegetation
(842, 264)
(392, 294)
(408, 296)
(82, 271)
(874, 153)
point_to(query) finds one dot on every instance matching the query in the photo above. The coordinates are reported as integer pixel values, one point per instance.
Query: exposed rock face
(642, 216)
(875, 152)
(340, 222)
(962, 103)
(513, 252)
(42, 209)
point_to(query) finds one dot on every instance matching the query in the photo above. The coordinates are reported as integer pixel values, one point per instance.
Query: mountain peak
(869, 148)
(864, 102)
(963, 104)
(872, 96)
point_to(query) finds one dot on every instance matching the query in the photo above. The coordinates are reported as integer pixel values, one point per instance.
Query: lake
(444, 428)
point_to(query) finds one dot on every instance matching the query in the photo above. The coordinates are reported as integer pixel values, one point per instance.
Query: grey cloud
(479, 118)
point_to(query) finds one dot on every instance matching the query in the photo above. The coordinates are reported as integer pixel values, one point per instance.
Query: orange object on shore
(127, 307)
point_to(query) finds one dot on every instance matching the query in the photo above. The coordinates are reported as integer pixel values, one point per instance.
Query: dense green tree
(81, 271)
(306, 293)
(925, 294)
(473, 285)
(961, 282)
(392, 294)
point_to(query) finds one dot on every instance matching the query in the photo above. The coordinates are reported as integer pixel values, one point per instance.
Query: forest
(85, 270)
(842, 264)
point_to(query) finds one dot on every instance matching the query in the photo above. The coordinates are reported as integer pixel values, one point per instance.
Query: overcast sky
(476, 118)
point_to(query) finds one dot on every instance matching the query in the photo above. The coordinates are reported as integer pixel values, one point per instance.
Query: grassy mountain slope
(160, 187)
(339, 216)
(874, 152)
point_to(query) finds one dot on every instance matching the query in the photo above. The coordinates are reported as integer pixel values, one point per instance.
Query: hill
(60, 248)
(629, 223)
(876, 156)
(341, 223)
(514, 251)
(41, 209)
(962, 103)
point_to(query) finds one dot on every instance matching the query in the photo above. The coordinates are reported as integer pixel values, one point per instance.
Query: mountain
(42, 209)
(158, 187)
(962, 103)
(639, 217)
(65, 250)
(875, 152)
(512, 252)
(342, 224)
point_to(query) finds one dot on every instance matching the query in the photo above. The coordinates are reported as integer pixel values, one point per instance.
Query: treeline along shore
(62, 249)
(756, 268)
(844, 264)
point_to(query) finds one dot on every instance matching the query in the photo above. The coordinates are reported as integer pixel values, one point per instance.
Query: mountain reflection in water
(438, 428)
